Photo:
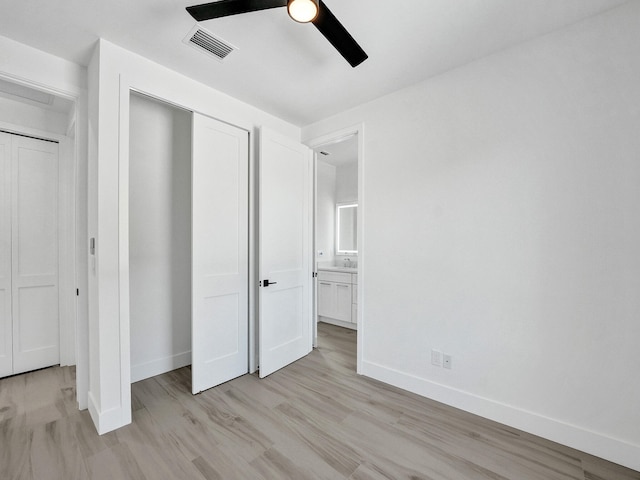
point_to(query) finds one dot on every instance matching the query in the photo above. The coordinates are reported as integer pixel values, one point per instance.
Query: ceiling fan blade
(224, 8)
(338, 36)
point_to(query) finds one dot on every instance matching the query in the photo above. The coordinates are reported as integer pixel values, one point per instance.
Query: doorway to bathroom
(338, 237)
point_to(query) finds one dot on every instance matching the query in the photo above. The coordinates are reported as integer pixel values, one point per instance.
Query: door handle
(266, 283)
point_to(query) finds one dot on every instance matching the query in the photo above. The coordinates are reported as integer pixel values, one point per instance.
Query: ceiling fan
(303, 11)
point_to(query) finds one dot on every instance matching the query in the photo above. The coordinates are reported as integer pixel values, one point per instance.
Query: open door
(285, 229)
(220, 269)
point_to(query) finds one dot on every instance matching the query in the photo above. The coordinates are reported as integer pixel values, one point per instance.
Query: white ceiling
(342, 152)
(289, 69)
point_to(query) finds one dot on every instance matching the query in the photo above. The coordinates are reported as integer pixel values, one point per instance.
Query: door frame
(165, 93)
(67, 308)
(314, 143)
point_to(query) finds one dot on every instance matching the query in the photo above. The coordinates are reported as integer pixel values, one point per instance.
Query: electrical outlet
(447, 361)
(436, 358)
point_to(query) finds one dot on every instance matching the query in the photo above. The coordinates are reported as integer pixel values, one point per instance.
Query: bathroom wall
(347, 182)
(325, 212)
(335, 185)
(347, 191)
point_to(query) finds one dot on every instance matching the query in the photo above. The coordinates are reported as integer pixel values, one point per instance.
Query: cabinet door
(343, 302)
(326, 299)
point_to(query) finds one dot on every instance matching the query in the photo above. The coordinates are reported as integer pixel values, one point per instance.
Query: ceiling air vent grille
(206, 42)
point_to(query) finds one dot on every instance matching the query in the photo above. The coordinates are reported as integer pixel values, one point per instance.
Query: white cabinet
(336, 298)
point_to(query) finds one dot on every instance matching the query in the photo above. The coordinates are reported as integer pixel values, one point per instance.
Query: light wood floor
(313, 419)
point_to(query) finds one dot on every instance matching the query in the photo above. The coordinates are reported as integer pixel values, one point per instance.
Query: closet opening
(160, 193)
(39, 283)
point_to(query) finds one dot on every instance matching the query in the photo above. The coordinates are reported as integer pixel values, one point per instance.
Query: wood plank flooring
(312, 420)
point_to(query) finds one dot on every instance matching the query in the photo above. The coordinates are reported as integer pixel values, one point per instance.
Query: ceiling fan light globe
(303, 11)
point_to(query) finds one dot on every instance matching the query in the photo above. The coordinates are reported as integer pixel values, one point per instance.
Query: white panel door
(220, 268)
(285, 226)
(36, 336)
(6, 337)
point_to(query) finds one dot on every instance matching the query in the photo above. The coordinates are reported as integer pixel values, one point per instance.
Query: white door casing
(220, 222)
(285, 259)
(6, 336)
(34, 244)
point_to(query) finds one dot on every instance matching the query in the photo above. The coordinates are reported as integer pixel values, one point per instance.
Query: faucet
(347, 262)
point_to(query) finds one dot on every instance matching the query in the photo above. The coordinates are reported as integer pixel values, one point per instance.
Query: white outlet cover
(436, 358)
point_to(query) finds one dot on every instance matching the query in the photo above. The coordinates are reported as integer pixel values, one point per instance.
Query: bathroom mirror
(347, 229)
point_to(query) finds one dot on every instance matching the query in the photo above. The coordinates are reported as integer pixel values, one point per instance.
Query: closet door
(34, 226)
(220, 268)
(6, 349)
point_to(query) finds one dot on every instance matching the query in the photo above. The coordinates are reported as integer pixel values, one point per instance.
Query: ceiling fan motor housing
(303, 11)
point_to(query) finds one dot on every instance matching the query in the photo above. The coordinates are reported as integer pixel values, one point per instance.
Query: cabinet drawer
(337, 277)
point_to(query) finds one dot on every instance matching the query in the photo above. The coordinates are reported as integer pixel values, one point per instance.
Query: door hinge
(77, 292)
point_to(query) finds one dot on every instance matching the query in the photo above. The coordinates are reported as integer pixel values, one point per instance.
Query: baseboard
(108, 420)
(339, 323)
(602, 446)
(159, 366)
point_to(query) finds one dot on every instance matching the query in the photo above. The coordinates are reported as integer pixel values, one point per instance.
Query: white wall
(513, 185)
(114, 71)
(159, 237)
(24, 64)
(347, 182)
(31, 116)
(325, 211)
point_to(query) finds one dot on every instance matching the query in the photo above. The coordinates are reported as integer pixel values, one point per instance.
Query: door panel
(285, 222)
(220, 269)
(343, 302)
(36, 335)
(326, 307)
(6, 336)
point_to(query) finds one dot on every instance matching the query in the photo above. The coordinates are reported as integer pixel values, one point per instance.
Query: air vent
(206, 42)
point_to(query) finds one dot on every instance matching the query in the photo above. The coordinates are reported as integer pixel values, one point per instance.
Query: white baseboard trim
(108, 420)
(611, 449)
(159, 366)
(339, 323)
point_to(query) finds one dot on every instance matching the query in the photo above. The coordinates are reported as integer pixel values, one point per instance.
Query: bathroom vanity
(338, 296)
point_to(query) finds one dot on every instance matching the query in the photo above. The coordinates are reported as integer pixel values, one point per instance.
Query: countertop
(333, 268)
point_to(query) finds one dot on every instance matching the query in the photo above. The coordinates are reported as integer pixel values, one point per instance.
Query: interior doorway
(38, 324)
(338, 231)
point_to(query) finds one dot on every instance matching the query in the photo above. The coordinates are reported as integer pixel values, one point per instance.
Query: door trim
(333, 137)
